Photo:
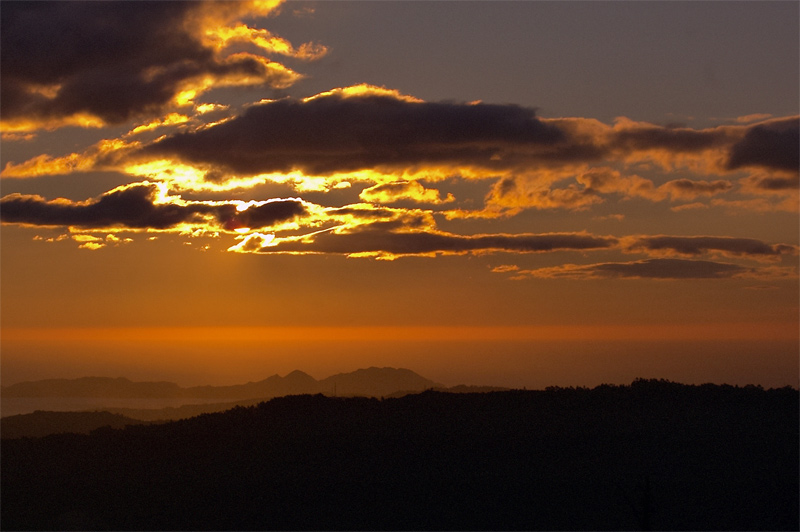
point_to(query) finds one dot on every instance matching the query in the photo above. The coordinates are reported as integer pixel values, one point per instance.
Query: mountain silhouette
(370, 382)
(374, 382)
(92, 387)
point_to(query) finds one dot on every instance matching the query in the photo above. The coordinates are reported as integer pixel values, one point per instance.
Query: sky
(501, 193)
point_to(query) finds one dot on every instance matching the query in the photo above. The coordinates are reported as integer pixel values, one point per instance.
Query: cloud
(643, 269)
(687, 189)
(403, 190)
(391, 141)
(335, 132)
(689, 207)
(537, 191)
(617, 217)
(390, 241)
(369, 128)
(698, 245)
(789, 204)
(628, 136)
(771, 185)
(98, 63)
(755, 117)
(515, 194)
(608, 181)
(773, 145)
(142, 206)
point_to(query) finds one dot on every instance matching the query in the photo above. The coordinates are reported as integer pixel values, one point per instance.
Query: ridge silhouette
(652, 454)
(372, 381)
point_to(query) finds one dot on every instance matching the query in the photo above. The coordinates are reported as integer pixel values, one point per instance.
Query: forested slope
(653, 454)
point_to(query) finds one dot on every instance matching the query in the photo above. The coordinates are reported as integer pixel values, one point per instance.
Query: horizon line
(788, 331)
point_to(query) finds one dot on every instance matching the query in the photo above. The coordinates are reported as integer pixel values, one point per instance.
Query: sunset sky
(506, 193)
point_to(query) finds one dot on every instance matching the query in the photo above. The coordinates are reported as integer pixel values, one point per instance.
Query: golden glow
(20, 125)
(46, 165)
(364, 89)
(208, 107)
(9, 136)
(276, 74)
(185, 97)
(404, 190)
(169, 120)
(181, 175)
(221, 36)
(74, 162)
(689, 331)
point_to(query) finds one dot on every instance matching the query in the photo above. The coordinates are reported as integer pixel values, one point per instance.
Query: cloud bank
(99, 63)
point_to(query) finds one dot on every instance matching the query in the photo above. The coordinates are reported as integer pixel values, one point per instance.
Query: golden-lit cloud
(389, 241)
(403, 190)
(592, 186)
(148, 206)
(221, 37)
(96, 157)
(364, 90)
(391, 141)
(755, 117)
(169, 120)
(145, 59)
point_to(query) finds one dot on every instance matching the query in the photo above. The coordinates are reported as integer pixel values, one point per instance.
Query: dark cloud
(134, 207)
(698, 245)
(643, 269)
(269, 213)
(675, 140)
(333, 133)
(348, 131)
(112, 60)
(778, 183)
(383, 238)
(669, 269)
(774, 145)
(688, 189)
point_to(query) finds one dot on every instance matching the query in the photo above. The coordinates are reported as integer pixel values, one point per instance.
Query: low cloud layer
(700, 245)
(365, 128)
(642, 269)
(143, 206)
(386, 241)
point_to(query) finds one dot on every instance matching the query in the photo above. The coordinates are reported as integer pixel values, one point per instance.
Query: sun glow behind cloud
(217, 132)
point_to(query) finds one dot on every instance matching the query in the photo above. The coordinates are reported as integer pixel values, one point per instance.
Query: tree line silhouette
(654, 454)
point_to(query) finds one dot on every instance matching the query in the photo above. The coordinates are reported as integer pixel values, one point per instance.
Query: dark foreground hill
(653, 455)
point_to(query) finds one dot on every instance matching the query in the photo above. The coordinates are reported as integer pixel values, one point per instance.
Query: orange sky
(305, 175)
